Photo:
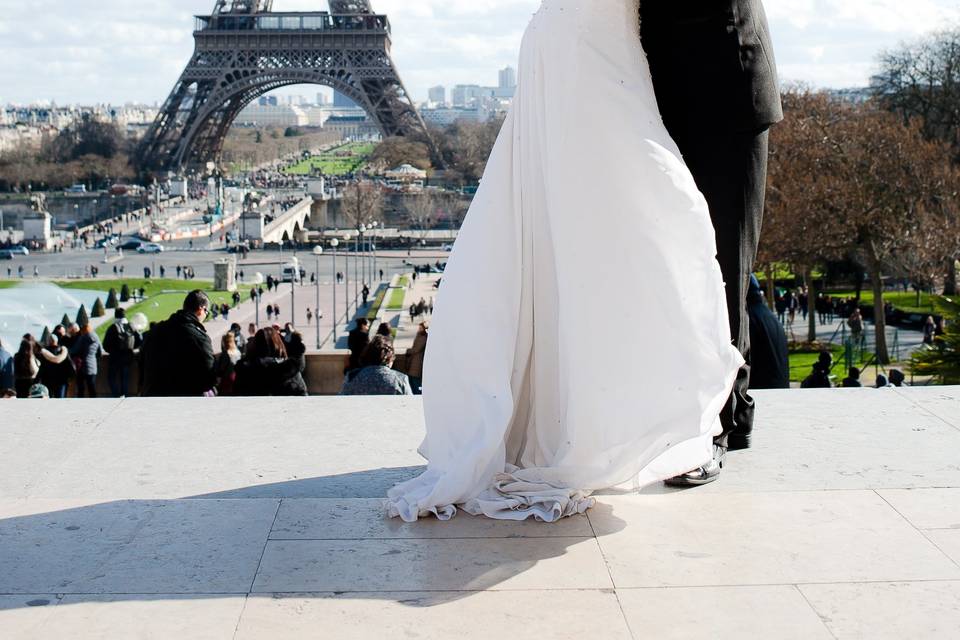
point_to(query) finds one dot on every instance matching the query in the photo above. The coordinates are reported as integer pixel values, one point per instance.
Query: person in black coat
(177, 353)
(357, 341)
(266, 369)
(769, 361)
(716, 84)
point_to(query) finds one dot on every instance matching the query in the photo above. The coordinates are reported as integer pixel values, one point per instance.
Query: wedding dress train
(580, 338)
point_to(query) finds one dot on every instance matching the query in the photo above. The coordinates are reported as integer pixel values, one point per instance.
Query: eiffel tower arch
(244, 49)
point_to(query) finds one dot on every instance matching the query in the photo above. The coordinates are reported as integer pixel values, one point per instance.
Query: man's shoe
(702, 475)
(738, 441)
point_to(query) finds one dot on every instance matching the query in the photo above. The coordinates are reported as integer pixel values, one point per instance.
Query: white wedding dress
(580, 338)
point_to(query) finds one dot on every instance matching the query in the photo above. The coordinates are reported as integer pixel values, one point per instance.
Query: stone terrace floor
(253, 518)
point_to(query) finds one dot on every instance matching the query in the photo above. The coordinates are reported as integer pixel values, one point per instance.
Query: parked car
(289, 273)
(150, 247)
(6, 254)
(19, 250)
(131, 245)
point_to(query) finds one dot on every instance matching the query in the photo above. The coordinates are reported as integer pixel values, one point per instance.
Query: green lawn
(153, 286)
(335, 162)
(801, 364)
(906, 302)
(161, 306)
(397, 296)
(377, 303)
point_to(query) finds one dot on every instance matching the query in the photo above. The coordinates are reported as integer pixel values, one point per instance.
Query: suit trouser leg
(730, 168)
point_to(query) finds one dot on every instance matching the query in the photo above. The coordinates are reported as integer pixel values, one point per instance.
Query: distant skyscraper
(508, 78)
(342, 101)
(468, 95)
(438, 94)
(322, 99)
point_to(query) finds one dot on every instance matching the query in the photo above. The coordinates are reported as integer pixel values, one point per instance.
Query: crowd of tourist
(45, 368)
(176, 357)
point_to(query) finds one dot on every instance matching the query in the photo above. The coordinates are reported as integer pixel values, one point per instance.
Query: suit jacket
(712, 64)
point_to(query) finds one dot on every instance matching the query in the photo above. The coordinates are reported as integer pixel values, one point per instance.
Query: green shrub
(942, 360)
(98, 310)
(124, 293)
(112, 302)
(82, 318)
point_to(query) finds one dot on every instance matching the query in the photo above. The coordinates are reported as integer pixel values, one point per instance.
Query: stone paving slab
(887, 611)
(519, 615)
(426, 565)
(311, 519)
(253, 518)
(181, 546)
(766, 538)
(145, 617)
(721, 613)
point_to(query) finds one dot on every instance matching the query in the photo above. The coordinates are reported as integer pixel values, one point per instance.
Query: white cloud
(120, 50)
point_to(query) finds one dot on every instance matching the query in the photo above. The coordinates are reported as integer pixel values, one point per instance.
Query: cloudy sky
(117, 51)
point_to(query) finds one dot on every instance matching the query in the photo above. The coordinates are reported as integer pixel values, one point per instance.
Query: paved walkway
(249, 518)
(293, 308)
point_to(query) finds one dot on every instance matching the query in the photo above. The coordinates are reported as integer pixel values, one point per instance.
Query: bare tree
(854, 180)
(362, 203)
(802, 225)
(920, 81)
(395, 151)
(422, 211)
(887, 180)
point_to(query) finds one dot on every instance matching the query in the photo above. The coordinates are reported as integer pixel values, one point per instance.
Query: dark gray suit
(716, 82)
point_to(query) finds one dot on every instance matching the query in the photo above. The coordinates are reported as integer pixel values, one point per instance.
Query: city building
(437, 95)
(445, 116)
(268, 115)
(355, 127)
(508, 78)
(468, 95)
(342, 101)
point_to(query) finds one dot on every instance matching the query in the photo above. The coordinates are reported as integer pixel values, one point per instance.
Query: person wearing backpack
(121, 342)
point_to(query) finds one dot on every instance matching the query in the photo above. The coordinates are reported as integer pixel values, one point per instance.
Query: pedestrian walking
(929, 331)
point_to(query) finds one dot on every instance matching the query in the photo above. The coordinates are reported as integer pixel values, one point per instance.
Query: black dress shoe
(701, 475)
(738, 441)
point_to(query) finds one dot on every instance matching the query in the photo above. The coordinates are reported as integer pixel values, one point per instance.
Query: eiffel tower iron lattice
(244, 49)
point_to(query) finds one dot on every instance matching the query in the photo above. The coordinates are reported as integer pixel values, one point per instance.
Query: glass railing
(293, 22)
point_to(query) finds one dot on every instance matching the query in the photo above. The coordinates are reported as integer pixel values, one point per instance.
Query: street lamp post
(358, 264)
(346, 277)
(293, 292)
(257, 281)
(334, 243)
(373, 249)
(317, 252)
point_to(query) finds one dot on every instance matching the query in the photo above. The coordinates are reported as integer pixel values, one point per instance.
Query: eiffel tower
(244, 49)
